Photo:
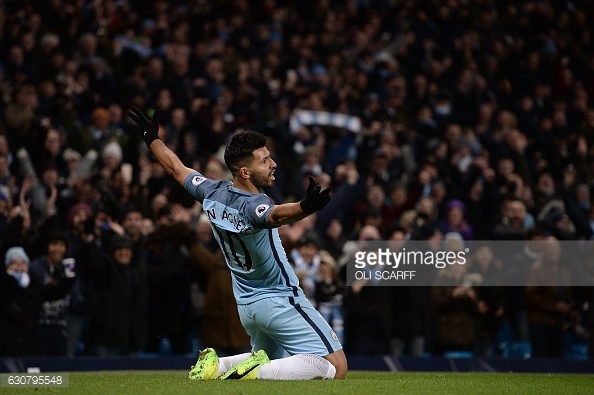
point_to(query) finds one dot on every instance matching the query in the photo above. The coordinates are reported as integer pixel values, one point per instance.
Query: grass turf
(357, 382)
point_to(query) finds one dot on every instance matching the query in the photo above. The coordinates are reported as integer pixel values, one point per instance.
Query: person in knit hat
(17, 262)
(21, 297)
(112, 156)
(78, 215)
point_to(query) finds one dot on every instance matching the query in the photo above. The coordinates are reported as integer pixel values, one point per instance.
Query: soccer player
(290, 340)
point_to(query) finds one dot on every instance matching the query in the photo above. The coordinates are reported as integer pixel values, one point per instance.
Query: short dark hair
(129, 210)
(55, 235)
(240, 150)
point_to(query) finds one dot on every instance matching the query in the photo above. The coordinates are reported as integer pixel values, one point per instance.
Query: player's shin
(225, 363)
(298, 367)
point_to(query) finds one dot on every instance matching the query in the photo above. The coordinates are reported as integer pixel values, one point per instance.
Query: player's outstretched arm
(149, 131)
(315, 200)
(286, 213)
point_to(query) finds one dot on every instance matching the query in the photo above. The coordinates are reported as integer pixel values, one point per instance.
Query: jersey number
(233, 257)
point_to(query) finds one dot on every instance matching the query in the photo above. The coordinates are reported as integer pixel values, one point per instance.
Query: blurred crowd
(475, 121)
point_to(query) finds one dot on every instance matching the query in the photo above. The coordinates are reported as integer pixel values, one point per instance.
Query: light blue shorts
(287, 326)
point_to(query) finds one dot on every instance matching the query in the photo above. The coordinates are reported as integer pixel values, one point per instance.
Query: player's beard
(262, 181)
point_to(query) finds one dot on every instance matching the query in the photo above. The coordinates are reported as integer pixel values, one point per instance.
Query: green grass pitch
(357, 382)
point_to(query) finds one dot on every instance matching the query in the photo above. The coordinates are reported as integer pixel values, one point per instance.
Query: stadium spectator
(519, 263)
(488, 277)
(305, 260)
(51, 269)
(411, 316)
(21, 297)
(329, 293)
(514, 222)
(456, 306)
(119, 306)
(549, 306)
(220, 327)
(78, 233)
(347, 189)
(367, 322)
(455, 219)
(167, 262)
(372, 205)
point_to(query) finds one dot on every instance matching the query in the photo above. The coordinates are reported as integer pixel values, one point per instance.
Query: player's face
(262, 168)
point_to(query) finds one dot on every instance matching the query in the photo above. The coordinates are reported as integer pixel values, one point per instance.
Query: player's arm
(285, 214)
(315, 199)
(149, 131)
(170, 161)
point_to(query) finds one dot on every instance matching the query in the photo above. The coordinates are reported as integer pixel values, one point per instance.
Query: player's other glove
(148, 128)
(315, 198)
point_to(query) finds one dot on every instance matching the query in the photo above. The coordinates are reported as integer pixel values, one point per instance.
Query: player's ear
(244, 172)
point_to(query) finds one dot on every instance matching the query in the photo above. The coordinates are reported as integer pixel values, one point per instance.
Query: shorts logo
(261, 209)
(197, 180)
(333, 334)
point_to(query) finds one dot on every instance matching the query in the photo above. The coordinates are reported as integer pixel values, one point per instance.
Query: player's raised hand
(148, 128)
(315, 198)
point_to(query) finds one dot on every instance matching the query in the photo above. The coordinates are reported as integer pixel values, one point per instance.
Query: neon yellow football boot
(248, 369)
(207, 366)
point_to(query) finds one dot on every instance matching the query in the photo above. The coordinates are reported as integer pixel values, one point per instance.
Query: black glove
(148, 128)
(315, 199)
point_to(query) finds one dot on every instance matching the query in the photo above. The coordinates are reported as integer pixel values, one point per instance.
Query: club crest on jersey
(261, 209)
(197, 180)
(333, 334)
